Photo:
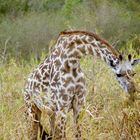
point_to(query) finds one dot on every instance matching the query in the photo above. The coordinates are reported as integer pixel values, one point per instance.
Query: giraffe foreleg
(60, 126)
(33, 116)
(43, 134)
(76, 113)
(52, 118)
(78, 135)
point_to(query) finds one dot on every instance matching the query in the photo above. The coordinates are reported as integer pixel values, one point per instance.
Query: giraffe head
(125, 73)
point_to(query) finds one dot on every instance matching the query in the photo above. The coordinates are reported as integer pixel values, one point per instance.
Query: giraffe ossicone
(57, 85)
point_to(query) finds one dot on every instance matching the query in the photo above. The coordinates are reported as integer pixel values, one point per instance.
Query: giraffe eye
(119, 75)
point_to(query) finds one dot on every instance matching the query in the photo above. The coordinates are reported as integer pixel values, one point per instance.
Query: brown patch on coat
(81, 80)
(43, 69)
(78, 41)
(90, 50)
(74, 72)
(75, 54)
(56, 77)
(67, 81)
(46, 83)
(46, 76)
(66, 68)
(82, 50)
(38, 76)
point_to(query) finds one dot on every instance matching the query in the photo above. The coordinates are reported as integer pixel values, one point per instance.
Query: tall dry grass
(107, 115)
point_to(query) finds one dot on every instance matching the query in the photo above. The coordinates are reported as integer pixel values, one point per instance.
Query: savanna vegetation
(29, 28)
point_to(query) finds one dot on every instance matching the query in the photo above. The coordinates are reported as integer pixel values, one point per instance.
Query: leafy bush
(31, 25)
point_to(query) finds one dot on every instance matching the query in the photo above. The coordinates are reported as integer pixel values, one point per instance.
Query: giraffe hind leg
(33, 119)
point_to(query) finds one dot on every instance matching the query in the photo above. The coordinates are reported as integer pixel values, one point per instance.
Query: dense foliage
(28, 26)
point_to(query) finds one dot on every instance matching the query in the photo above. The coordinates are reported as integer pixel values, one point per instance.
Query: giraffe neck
(74, 45)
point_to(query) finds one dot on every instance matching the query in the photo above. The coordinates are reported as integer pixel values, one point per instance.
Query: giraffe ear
(129, 57)
(135, 62)
(120, 57)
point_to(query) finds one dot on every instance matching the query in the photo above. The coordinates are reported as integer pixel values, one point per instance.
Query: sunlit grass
(107, 115)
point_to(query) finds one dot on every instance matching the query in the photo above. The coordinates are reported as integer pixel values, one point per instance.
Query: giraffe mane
(103, 41)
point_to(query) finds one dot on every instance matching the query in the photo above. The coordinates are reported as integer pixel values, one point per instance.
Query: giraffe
(57, 85)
